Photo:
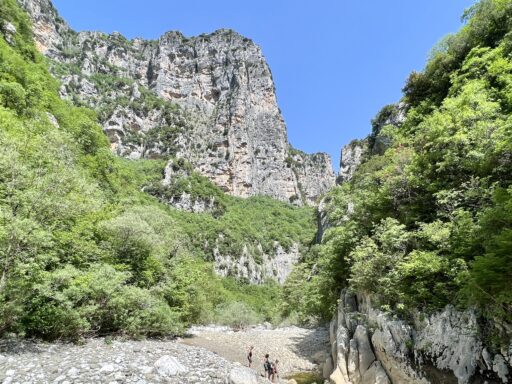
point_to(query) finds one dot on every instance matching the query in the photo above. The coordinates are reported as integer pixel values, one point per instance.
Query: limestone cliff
(351, 157)
(357, 151)
(209, 99)
(370, 346)
(257, 267)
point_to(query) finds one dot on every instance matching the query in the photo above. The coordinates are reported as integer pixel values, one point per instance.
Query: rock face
(209, 99)
(369, 346)
(355, 152)
(352, 155)
(50, 30)
(276, 266)
(391, 116)
(9, 32)
(322, 217)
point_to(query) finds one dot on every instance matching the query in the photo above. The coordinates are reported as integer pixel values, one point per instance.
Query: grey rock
(73, 372)
(391, 115)
(60, 378)
(375, 374)
(49, 29)
(276, 266)
(451, 339)
(366, 356)
(327, 368)
(486, 356)
(351, 157)
(243, 375)
(228, 124)
(108, 368)
(52, 119)
(442, 347)
(322, 219)
(169, 366)
(500, 367)
(186, 202)
(9, 33)
(353, 362)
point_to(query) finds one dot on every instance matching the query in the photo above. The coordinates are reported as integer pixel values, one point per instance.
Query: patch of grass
(306, 377)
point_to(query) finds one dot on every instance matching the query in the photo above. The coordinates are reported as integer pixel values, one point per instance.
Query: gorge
(149, 185)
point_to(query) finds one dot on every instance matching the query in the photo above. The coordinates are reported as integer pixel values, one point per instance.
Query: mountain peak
(209, 99)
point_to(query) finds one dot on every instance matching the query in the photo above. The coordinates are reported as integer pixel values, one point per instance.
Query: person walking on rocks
(249, 355)
(267, 364)
(274, 370)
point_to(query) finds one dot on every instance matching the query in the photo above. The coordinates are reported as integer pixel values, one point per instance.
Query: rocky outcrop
(352, 155)
(209, 99)
(8, 31)
(370, 346)
(51, 32)
(186, 202)
(176, 190)
(313, 175)
(391, 116)
(257, 266)
(322, 216)
(355, 152)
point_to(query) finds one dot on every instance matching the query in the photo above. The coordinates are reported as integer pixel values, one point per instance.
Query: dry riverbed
(295, 348)
(207, 356)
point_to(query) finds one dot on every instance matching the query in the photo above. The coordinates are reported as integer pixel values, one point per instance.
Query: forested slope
(426, 219)
(83, 249)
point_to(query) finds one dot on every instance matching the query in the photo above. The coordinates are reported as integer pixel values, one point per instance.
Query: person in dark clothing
(267, 364)
(249, 355)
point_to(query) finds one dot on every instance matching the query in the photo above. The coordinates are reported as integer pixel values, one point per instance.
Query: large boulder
(169, 366)
(243, 375)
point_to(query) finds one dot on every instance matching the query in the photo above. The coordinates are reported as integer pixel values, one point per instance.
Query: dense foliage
(83, 250)
(427, 220)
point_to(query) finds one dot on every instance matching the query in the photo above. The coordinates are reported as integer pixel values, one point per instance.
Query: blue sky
(335, 62)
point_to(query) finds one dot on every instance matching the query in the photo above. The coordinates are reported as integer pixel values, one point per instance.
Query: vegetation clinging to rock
(83, 250)
(427, 221)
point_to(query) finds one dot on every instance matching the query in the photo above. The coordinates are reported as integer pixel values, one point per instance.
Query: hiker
(274, 370)
(249, 355)
(267, 364)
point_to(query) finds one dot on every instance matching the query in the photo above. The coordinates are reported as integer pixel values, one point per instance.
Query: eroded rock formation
(369, 346)
(352, 156)
(257, 266)
(209, 99)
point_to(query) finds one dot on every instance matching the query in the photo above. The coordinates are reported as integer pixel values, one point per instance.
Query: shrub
(13, 96)
(236, 315)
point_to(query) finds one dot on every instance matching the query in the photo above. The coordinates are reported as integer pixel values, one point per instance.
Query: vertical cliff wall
(372, 347)
(209, 99)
